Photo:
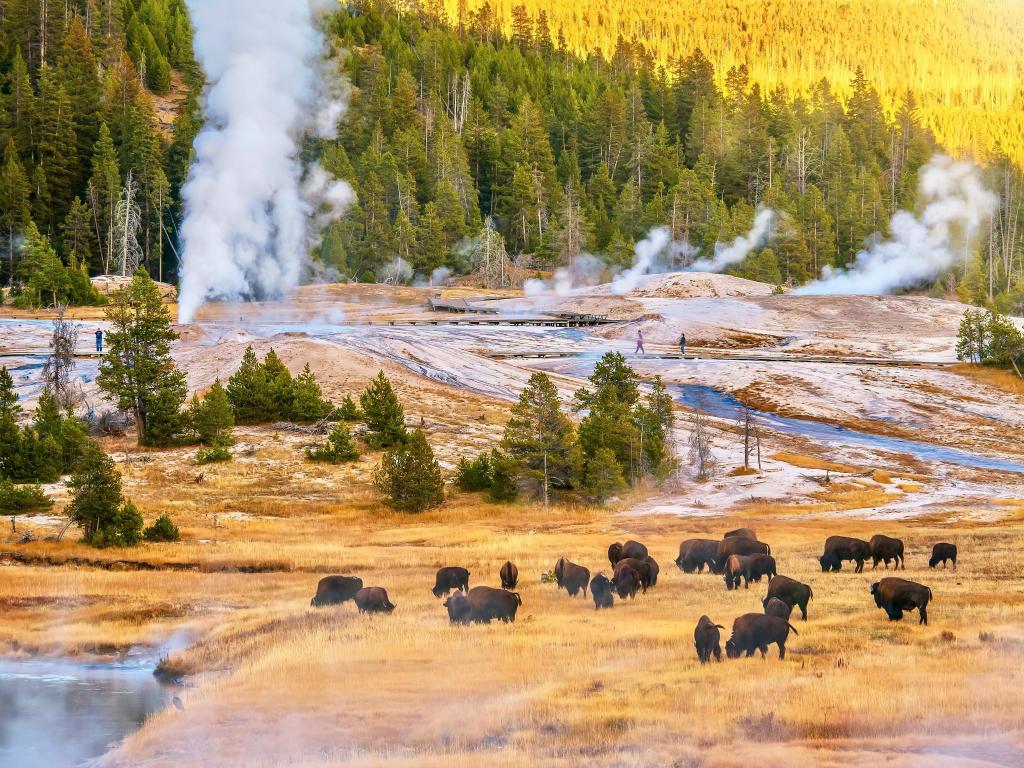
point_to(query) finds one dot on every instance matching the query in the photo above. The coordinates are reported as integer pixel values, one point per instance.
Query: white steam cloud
(920, 248)
(250, 219)
(737, 250)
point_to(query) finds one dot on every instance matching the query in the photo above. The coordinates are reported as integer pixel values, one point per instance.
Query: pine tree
(10, 435)
(611, 369)
(247, 390)
(339, 447)
(211, 417)
(602, 477)
(409, 476)
(539, 437)
(138, 373)
(47, 279)
(280, 388)
(97, 504)
(503, 479)
(14, 202)
(609, 424)
(308, 403)
(104, 191)
(57, 146)
(383, 414)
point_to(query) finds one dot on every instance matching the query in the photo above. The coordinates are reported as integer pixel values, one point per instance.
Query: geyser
(252, 210)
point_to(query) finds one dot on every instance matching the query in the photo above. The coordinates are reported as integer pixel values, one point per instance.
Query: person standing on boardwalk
(639, 343)
(99, 339)
(682, 344)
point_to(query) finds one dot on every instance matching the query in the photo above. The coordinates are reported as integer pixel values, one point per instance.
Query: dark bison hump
(634, 549)
(741, 533)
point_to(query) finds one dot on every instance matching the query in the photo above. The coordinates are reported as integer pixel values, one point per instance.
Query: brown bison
(790, 591)
(450, 578)
(601, 591)
(509, 575)
(459, 609)
(631, 548)
(737, 546)
(755, 632)
(886, 548)
(741, 533)
(942, 552)
(694, 554)
(571, 577)
(483, 605)
(333, 590)
(707, 640)
(373, 600)
(646, 569)
(749, 567)
(654, 569)
(839, 548)
(898, 595)
(776, 607)
(625, 580)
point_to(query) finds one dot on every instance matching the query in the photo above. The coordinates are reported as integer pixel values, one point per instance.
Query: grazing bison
(741, 533)
(509, 575)
(654, 569)
(449, 578)
(750, 567)
(707, 640)
(601, 591)
(488, 603)
(646, 569)
(776, 607)
(571, 577)
(839, 548)
(735, 567)
(738, 546)
(898, 595)
(333, 590)
(755, 632)
(790, 591)
(459, 609)
(625, 580)
(631, 548)
(694, 554)
(886, 548)
(373, 600)
(942, 552)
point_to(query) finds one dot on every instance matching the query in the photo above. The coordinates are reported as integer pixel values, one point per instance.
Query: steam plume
(737, 250)
(919, 248)
(249, 217)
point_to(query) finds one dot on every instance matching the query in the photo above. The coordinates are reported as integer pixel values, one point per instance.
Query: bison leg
(923, 610)
(764, 650)
(803, 610)
(860, 566)
(782, 649)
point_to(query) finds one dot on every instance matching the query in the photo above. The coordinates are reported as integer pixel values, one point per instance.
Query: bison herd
(738, 557)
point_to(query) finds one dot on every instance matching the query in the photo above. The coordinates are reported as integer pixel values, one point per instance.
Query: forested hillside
(450, 127)
(78, 116)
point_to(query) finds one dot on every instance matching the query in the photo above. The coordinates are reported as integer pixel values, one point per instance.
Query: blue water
(719, 404)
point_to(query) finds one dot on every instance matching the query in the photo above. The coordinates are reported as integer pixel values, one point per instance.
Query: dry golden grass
(1004, 381)
(814, 462)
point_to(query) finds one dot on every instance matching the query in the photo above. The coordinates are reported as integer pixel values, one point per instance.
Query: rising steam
(737, 250)
(251, 209)
(919, 248)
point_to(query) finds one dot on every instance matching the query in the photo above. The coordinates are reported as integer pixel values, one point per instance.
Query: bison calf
(459, 609)
(373, 600)
(694, 554)
(886, 548)
(791, 592)
(942, 552)
(571, 577)
(776, 607)
(334, 590)
(755, 632)
(450, 578)
(896, 595)
(707, 640)
(601, 591)
(509, 575)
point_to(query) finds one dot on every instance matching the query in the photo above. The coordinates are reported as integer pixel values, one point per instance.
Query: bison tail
(768, 549)
(929, 593)
(810, 592)
(792, 627)
(519, 600)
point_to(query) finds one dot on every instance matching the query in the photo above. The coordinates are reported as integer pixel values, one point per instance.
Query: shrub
(347, 411)
(162, 530)
(340, 447)
(22, 498)
(212, 454)
(123, 529)
(474, 475)
(409, 476)
(211, 417)
(504, 487)
(264, 392)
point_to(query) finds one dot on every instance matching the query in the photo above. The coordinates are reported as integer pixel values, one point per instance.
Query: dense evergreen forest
(468, 148)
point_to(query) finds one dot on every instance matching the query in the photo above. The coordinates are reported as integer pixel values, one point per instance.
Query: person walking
(682, 344)
(99, 339)
(639, 343)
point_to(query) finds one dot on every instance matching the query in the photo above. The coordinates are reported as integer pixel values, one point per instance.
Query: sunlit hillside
(964, 59)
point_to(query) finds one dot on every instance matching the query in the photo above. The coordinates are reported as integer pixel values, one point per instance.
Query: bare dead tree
(701, 455)
(127, 220)
(61, 361)
(751, 436)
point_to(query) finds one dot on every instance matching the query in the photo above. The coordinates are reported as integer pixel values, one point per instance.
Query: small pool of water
(720, 404)
(62, 713)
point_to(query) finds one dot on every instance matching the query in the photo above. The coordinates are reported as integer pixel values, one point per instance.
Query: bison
(483, 605)
(601, 591)
(750, 567)
(737, 546)
(631, 548)
(450, 578)
(334, 590)
(646, 569)
(571, 577)
(896, 595)
(509, 575)
(735, 566)
(373, 600)
(741, 533)
(694, 554)
(459, 609)
(707, 640)
(755, 632)
(942, 552)
(654, 569)
(839, 548)
(775, 607)
(625, 580)
(790, 591)
(886, 548)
